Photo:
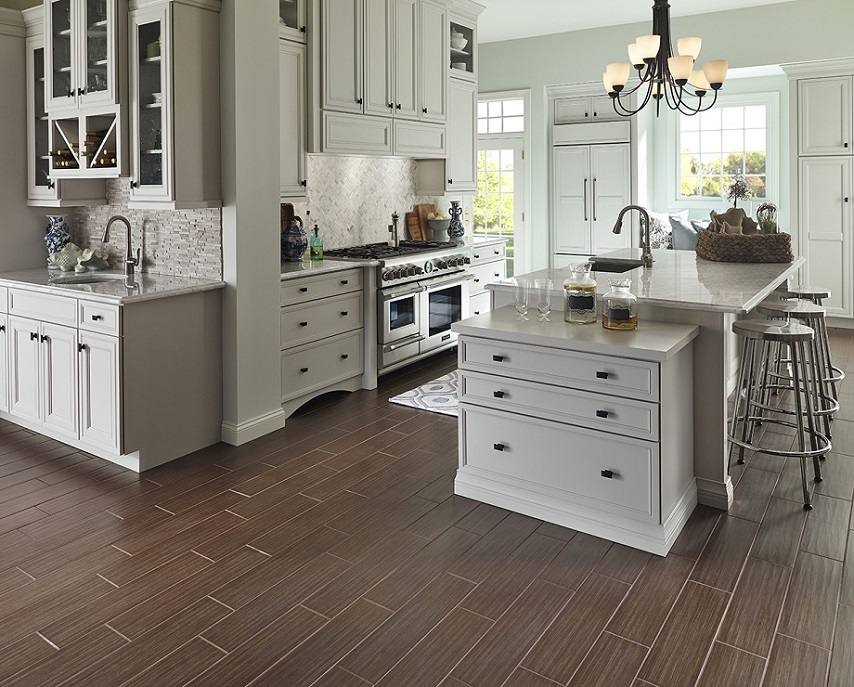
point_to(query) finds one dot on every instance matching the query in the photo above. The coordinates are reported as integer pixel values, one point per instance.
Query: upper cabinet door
(61, 71)
(572, 203)
(341, 55)
(379, 58)
(573, 110)
(292, 20)
(433, 65)
(292, 114)
(406, 59)
(98, 52)
(610, 192)
(462, 139)
(825, 116)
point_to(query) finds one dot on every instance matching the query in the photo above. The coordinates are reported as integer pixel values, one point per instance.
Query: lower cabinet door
(313, 366)
(100, 399)
(24, 369)
(59, 378)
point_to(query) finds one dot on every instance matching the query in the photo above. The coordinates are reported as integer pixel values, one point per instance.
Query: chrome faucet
(646, 255)
(130, 261)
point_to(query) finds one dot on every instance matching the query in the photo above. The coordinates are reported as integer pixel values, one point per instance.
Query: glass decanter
(620, 306)
(580, 295)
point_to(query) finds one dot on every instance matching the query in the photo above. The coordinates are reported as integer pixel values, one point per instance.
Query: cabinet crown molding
(571, 90)
(12, 23)
(467, 7)
(34, 18)
(835, 67)
(213, 5)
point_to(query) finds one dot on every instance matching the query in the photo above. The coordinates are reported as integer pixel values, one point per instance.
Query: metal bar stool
(758, 337)
(824, 375)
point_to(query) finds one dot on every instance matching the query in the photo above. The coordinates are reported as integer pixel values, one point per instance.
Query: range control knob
(419, 270)
(411, 270)
(386, 275)
(467, 260)
(442, 264)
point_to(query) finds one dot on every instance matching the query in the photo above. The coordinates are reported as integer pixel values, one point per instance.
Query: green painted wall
(795, 31)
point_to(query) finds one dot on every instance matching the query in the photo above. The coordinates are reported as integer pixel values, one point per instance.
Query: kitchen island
(680, 287)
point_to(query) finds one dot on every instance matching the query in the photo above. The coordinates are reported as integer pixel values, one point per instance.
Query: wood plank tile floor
(333, 553)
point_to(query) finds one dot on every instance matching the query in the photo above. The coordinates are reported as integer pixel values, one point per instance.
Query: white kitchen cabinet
(292, 24)
(826, 223)
(488, 265)
(584, 109)
(174, 85)
(463, 20)
(563, 424)
(341, 56)
(825, 116)
(292, 119)
(379, 41)
(42, 190)
(590, 186)
(100, 398)
(433, 68)
(322, 335)
(462, 137)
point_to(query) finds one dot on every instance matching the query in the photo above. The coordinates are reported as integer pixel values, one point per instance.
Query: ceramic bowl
(459, 43)
(458, 65)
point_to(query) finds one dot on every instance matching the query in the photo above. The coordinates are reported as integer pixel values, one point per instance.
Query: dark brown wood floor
(333, 553)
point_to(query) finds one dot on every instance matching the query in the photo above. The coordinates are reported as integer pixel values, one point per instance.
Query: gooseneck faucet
(130, 261)
(646, 255)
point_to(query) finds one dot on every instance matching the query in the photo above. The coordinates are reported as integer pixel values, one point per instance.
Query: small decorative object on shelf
(56, 235)
(316, 245)
(766, 216)
(620, 306)
(579, 293)
(294, 242)
(65, 258)
(738, 190)
(92, 259)
(456, 230)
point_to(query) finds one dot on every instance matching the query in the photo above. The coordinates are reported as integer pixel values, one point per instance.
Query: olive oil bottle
(315, 245)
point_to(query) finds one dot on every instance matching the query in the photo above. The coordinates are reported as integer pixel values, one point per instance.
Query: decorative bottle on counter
(620, 306)
(56, 235)
(579, 292)
(294, 242)
(315, 245)
(456, 229)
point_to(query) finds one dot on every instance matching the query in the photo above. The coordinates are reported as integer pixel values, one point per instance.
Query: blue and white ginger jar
(57, 235)
(294, 242)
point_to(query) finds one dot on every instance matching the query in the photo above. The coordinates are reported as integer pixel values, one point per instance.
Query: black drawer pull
(303, 324)
(303, 289)
(601, 375)
(447, 337)
(477, 281)
(495, 274)
(497, 252)
(608, 474)
(477, 312)
(498, 447)
(601, 413)
(303, 370)
(95, 318)
(344, 356)
(344, 282)
(34, 336)
(476, 256)
(344, 313)
(498, 358)
(498, 394)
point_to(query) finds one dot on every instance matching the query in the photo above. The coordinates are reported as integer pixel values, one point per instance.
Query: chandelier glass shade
(663, 75)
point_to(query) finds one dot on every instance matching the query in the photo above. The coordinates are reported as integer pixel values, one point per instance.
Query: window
(499, 203)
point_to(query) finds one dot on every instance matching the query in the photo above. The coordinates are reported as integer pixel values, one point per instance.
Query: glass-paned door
(97, 47)
(60, 37)
(498, 203)
(41, 127)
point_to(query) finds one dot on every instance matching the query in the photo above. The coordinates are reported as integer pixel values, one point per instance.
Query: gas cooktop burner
(380, 251)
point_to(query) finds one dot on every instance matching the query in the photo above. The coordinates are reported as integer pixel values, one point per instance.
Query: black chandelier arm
(622, 110)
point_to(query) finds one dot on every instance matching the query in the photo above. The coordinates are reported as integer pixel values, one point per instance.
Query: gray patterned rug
(438, 396)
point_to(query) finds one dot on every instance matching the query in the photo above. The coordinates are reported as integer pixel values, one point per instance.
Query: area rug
(438, 396)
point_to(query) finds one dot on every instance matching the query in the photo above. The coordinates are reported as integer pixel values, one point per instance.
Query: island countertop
(680, 279)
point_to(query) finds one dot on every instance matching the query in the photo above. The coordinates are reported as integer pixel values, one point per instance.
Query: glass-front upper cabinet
(292, 20)
(82, 45)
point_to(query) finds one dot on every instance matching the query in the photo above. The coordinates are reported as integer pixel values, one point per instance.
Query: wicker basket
(720, 247)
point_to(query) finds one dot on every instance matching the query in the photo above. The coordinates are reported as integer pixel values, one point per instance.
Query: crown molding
(835, 67)
(12, 23)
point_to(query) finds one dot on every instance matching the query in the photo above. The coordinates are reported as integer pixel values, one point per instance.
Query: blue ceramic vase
(57, 235)
(456, 228)
(294, 242)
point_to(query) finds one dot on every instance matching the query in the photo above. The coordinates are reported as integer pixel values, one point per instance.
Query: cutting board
(413, 226)
(423, 210)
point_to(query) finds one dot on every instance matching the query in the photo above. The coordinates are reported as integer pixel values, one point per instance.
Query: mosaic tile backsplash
(182, 242)
(352, 198)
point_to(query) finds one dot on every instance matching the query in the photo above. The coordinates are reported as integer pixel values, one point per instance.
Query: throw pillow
(684, 233)
(700, 224)
(660, 229)
(731, 228)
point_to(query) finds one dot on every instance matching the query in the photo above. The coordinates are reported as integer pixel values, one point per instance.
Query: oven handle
(443, 282)
(398, 294)
(415, 338)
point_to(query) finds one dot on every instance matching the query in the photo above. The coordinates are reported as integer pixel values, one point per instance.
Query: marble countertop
(679, 279)
(653, 341)
(144, 286)
(292, 270)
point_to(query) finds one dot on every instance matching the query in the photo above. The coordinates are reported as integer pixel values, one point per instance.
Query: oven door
(443, 302)
(399, 315)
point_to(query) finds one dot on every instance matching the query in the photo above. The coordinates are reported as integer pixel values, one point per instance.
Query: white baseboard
(237, 435)
(715, 494)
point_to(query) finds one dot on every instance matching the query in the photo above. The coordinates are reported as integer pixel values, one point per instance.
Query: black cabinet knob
(601, 375)
(304, 183)
(846, 199)
(50, 184)
(134, 184)
(398, 106)
(359, 101)
(303, 370)
(302, 29)
(70, 94)
(97, 317)
(303, 289)
(845, 145)
(476, 281)
(450, 182)
(424, 110)
(44, 338)
(344, 282)
(390, 106)
(303, 324)
(34, 336)
(344, 313)
(344, 356)
(586, 114)
(477, 312)
(498, 358)
(608, 474)
(2, 327)
(81, 91)
(498, 447)
(498, 394)
(601, 413)
(81, 347)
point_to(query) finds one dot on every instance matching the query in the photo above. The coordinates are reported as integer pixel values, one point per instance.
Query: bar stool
(816, 294)
(825, 375)
(757, 349)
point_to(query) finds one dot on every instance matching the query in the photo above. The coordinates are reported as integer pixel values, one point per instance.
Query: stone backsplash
(352, 198)
(182, 242)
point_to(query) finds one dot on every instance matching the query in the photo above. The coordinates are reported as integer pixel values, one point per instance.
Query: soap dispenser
(315, 246)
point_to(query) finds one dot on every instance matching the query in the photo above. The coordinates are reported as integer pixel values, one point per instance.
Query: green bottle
(315, 246)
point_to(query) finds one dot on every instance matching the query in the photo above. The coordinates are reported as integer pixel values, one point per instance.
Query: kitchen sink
(87, 278)
(615, 265)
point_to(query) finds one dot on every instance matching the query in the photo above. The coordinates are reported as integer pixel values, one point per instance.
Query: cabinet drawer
(599, 373)
(305, 289)
(480, 303)
(486, 273)
(419, 139)
(356, 134)
(44, 307)
(315, 366)
(594, 469)
(624, 417)
(300, 324)
(492, 251)
(98, 317)
(4, 299)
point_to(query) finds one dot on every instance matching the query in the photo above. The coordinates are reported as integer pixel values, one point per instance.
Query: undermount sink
(615, 265)
(86, 278)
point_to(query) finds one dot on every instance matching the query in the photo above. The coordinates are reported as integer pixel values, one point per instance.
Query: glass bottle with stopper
(580, 295)
(620, 306)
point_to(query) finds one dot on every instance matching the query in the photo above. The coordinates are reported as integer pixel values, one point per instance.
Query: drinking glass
(543, 289)
(520, 291)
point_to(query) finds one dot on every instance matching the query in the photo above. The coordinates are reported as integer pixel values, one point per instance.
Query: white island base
(579, 426)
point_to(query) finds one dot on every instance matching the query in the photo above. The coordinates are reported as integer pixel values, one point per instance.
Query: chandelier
(663, 75)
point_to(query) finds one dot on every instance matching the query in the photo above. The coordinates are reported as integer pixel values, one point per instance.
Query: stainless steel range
(423, 290)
